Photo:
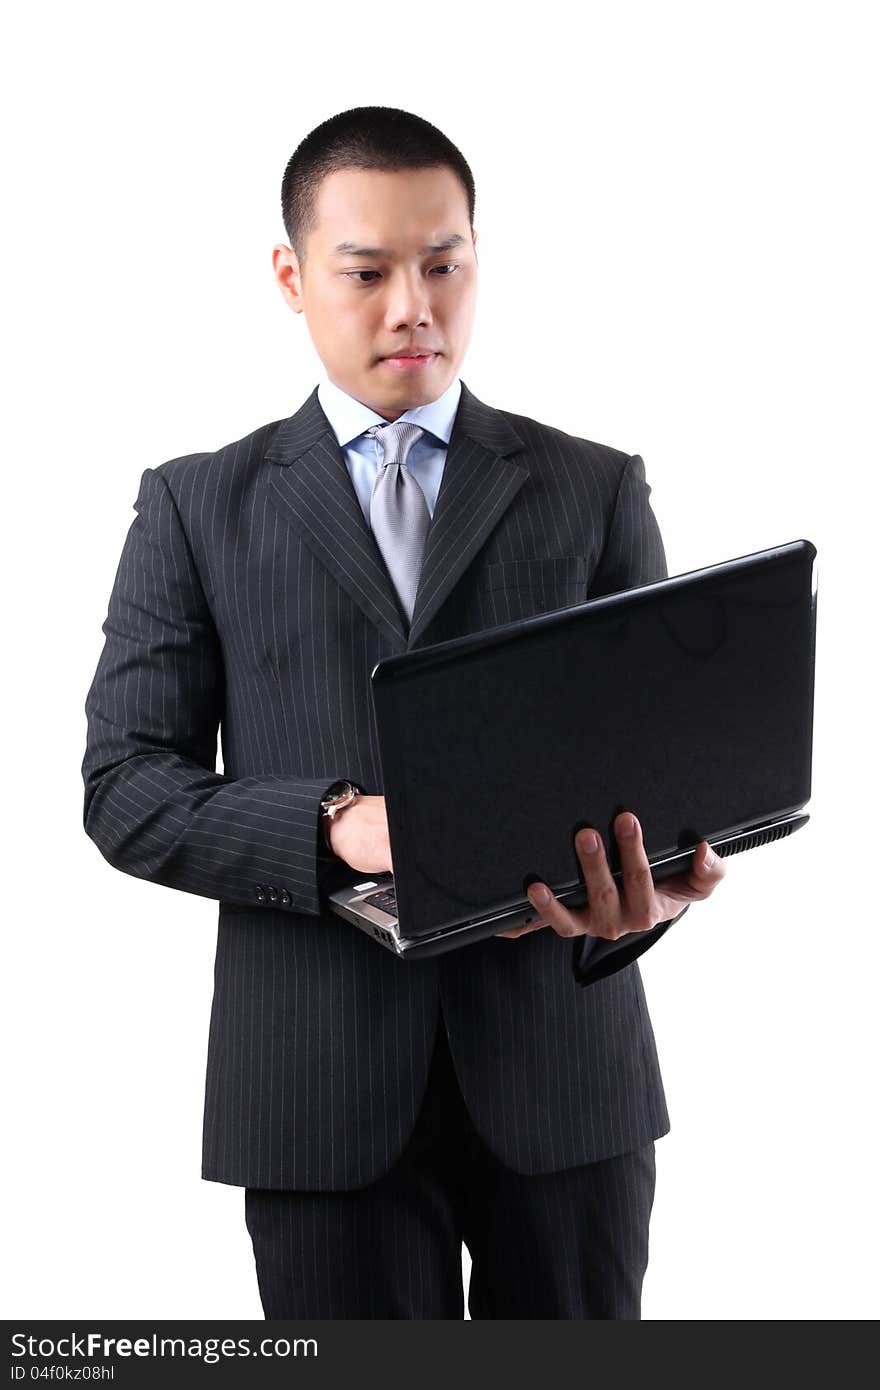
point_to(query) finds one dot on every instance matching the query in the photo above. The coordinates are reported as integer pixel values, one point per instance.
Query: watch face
(338, 792)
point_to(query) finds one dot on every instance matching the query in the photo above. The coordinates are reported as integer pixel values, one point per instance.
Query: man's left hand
(639, 904)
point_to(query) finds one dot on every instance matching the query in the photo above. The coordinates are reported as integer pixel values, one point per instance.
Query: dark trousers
(572, 1244)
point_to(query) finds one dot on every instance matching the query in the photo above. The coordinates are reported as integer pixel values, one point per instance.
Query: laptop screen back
(688, 702)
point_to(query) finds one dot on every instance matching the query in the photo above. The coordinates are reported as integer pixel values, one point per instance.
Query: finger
(638, 882)
(708, 870)
(604, 915)
(521, 931)
(563, 922)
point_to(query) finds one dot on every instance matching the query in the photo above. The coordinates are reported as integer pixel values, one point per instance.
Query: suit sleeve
(633, 554)
(154, 805)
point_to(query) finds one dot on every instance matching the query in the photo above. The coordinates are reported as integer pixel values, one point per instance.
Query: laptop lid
(688, 701)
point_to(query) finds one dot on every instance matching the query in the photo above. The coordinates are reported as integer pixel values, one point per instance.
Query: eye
(350, 274)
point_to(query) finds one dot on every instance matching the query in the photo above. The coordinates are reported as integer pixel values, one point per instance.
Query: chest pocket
(511, 589)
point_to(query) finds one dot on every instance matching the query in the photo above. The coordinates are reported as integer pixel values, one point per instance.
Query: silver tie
(399, 514)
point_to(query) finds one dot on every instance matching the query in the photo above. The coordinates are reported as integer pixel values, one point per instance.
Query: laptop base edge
(420, 948)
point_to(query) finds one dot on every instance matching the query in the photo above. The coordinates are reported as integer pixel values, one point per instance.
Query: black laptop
(688, 701)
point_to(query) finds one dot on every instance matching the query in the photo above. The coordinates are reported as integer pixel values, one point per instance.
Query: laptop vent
(760, 837)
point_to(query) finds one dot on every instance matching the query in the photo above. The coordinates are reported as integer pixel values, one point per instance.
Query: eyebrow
(349, 248)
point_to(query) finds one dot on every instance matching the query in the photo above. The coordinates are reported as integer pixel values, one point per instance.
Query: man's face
(362, 309)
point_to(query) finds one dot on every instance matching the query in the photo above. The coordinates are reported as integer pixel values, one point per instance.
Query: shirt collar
(349, 417)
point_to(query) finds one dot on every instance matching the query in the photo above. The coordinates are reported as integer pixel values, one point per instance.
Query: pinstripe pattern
(552, 1245)
(251, 598)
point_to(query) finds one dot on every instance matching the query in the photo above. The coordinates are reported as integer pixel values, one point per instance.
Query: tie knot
(396, 439)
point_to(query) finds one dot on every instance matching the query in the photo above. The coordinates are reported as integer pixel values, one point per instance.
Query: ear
(287, 272)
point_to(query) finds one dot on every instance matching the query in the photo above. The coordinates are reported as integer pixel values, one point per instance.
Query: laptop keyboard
(386, 900)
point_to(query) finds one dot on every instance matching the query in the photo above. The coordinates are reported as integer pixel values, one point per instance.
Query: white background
(678, 257)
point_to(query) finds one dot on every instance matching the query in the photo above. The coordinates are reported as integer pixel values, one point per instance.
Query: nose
(408, 304)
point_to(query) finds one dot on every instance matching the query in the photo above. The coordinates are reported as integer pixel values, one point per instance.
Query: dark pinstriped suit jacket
(251, 597)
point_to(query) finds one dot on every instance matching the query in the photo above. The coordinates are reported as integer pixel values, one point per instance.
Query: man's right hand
(359, 836)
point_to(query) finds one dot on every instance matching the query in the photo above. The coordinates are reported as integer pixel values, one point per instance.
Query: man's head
(378, 206)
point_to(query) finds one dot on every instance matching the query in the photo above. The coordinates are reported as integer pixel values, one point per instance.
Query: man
(378, 1113)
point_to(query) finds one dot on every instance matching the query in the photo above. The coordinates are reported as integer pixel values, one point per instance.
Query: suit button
(261, 893)
(273, 894)
(286, 898)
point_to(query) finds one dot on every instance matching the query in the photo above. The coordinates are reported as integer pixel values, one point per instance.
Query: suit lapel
(310, 486)
(478, 485)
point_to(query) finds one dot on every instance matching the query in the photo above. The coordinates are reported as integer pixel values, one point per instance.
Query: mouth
(409, 364)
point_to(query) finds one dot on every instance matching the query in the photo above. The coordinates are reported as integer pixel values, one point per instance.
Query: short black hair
(364, 137)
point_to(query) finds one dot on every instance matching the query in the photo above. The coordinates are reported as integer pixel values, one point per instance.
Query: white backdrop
(677, 247)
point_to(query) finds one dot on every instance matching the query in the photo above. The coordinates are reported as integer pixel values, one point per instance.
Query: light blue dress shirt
(363, 456)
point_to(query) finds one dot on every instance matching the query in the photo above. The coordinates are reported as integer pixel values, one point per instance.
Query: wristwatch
(340, 795)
